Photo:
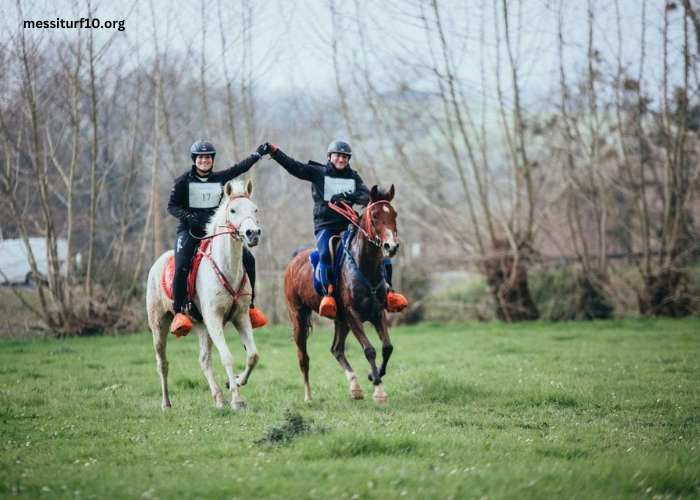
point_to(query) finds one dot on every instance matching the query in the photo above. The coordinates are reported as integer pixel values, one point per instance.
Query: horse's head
(380, 220)
(238, 212)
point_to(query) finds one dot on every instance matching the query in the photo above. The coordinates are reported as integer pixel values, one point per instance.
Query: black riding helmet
(340, 147)
(202, 147)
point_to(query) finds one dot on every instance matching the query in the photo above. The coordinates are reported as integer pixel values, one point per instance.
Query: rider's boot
(395, 302)
(257, 318)
(181, 325)
(328, 307)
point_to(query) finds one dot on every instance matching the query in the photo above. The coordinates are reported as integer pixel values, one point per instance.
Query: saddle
(337, 246)
(169, 272)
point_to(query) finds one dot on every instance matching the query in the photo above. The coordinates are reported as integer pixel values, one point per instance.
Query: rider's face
(339, 160)
(204, 163)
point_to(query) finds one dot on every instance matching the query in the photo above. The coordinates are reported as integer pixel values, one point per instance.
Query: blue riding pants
(323, 238)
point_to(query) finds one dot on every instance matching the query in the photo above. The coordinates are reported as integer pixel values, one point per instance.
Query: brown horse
(360, 294)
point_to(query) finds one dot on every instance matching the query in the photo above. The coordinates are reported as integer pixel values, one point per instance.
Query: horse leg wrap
(373, 374)
(386, 354)
(387, 350)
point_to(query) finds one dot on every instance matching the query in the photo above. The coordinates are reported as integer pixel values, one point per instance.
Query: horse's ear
(228, 189)
(392, 192)
(373, 193)
(249, 188)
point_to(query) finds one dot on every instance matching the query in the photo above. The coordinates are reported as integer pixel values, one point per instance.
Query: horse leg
(205, 362)
(245, 331)
(301, 317)
(159, 326)
(371, 355)
(216, 332)
(338, 350)
(379, 323)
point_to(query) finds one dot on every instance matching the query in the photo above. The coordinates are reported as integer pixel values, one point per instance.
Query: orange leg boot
(395, 302)
(257, 317)
(328, 308)
(181, 325)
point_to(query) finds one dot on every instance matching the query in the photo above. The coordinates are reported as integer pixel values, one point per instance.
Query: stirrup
(257, 317)
(395, 302)
(328, 308)
(181, 325)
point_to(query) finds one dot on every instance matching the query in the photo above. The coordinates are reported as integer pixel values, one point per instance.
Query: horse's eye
(374, 215)
(233, 211)
(256, 210)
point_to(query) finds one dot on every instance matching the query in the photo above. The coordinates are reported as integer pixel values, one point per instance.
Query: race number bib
(205, 195)
(332, 186)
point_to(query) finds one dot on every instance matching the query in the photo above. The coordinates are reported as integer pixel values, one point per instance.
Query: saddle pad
(169, 272)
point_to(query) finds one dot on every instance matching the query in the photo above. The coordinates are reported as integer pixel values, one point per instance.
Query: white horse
(235, 217)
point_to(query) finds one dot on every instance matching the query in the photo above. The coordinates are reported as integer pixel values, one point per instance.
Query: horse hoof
(166, 407)
(219, 404)
(240, 382)
(382, 400)
(357, 394)
(237, 405)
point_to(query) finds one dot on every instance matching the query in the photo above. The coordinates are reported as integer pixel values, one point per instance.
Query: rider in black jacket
(334, 181)
(194, 198)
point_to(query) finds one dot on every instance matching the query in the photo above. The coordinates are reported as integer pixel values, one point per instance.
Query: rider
(335, 181)
(193, 200)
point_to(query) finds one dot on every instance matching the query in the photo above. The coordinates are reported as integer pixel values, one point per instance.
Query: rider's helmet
(202, 147)
(340, 147)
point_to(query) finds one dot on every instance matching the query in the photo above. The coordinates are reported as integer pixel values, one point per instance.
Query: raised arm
(296, 168)
(239, 168)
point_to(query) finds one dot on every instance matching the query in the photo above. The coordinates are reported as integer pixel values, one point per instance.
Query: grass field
(564, 410)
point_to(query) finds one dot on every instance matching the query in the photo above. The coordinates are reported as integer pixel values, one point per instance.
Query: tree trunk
(665, 294)
(506, 276)
(592, 303)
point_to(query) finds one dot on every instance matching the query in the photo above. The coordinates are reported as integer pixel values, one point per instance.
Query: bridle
(370, 231)
(231, 228)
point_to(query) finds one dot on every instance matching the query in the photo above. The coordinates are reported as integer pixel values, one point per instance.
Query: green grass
(566, 410)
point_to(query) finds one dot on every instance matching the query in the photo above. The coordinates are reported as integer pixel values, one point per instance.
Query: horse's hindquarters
(298, 283)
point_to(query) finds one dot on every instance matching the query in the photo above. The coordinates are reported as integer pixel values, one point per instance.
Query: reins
(346, 211)
(233, 231)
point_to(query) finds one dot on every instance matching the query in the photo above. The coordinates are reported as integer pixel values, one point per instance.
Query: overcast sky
(291, 40)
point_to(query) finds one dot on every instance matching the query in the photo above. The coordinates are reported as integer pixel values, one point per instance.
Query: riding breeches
(323, 238)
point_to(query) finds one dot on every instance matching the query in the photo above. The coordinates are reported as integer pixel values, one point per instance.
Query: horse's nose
(250, 233)
(387, 247)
